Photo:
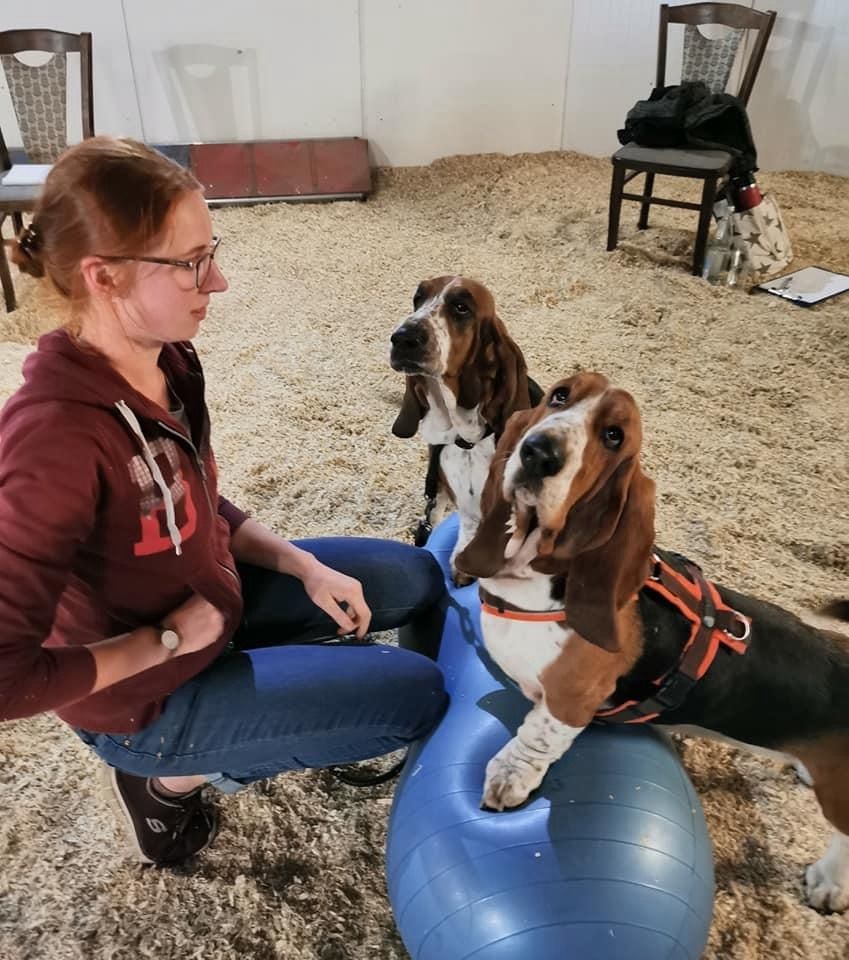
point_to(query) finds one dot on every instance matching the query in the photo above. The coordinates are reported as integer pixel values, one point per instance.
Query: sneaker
(160, 829)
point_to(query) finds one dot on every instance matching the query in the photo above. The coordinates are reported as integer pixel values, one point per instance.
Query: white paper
(808, 285)
(25, 175)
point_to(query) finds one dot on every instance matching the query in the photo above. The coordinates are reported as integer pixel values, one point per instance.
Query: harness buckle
(656, 565)
(674, 690)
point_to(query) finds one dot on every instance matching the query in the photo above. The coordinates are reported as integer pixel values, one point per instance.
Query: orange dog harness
(713, 624)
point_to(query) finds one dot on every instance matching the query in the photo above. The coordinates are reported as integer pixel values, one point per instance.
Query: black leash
(424, 527)
(366, 779)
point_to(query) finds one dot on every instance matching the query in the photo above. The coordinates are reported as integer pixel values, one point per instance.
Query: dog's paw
(827, 880)
(509, 780)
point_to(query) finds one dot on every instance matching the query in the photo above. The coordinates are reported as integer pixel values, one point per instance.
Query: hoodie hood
(62, 370)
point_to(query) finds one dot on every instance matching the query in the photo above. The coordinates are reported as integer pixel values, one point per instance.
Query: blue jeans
(289, 695)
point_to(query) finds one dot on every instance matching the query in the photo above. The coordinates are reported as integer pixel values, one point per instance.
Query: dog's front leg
(469, 520)
(827, 880)
(520, 765)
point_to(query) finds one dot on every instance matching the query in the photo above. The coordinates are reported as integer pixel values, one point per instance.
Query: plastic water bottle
(719, 251)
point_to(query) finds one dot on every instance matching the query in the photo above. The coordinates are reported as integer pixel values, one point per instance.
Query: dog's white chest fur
(444, 420)
(465, 470)
(523, 649)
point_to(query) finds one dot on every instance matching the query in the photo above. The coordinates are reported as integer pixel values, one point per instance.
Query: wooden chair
(710, 61)
(39, 99)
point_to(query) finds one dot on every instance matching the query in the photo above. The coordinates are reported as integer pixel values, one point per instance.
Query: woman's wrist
(149, 647)
(118, 658)
(256, 544)
(296, 562)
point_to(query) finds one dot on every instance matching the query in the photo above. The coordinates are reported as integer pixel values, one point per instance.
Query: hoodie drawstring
(156, 473)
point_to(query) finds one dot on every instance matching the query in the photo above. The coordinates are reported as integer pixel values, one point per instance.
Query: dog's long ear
(505, 389)
(494, 375)
(607, 543)
(470, 386)
(413, 407)
(483, 555)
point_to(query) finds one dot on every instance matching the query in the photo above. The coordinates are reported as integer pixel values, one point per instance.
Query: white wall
(799, 109)
(448, 76)
(116, 107)
(612, 62)
(250, 70)
(424, 80)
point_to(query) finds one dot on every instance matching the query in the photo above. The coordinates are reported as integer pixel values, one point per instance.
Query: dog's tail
(838, 609)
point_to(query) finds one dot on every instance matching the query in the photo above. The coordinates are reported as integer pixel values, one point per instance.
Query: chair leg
(705, 214)
(643, 222)
(617, 184)
(18, 221)
(6, 277)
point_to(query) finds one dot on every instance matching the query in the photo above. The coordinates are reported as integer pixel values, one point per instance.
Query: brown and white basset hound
(594, 623)
(465, 376)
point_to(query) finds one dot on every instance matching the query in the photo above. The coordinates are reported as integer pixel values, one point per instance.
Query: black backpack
(689, 115)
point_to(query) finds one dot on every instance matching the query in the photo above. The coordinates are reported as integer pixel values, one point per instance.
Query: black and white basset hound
(595, 624)
(465, 376)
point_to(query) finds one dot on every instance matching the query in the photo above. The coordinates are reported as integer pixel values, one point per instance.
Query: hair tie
(29, 240)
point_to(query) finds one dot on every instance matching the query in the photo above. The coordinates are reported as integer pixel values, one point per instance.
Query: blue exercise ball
(609, 860)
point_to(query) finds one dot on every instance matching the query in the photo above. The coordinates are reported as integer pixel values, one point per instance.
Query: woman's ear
(100, 277)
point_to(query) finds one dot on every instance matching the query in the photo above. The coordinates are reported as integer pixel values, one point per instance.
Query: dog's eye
(419, 297)
(461, 309)
(560, 397)
(612, 437)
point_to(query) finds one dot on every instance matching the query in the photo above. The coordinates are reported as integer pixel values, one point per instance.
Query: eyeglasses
(201, 266)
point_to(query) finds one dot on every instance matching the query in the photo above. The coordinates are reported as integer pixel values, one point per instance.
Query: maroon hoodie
(109, 519)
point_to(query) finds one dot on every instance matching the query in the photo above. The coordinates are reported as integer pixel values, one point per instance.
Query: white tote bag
(760, 231)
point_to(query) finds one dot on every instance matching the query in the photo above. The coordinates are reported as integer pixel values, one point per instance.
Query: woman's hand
(197, 622)
(328, 589)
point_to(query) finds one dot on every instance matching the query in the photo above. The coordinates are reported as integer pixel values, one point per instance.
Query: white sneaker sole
(122, 814)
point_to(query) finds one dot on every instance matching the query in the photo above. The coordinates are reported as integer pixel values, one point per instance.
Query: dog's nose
(409, 336)
(540, 457)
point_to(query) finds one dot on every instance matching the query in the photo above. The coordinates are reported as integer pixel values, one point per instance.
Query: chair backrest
(39, 94)
(712, 60)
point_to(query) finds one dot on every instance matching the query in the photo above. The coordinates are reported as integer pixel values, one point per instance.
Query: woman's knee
(426, 573)
(407, 695)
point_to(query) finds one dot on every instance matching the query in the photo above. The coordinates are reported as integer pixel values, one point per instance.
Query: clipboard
(807, 286)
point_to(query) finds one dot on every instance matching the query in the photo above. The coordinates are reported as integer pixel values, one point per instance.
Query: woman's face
(163, 303)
